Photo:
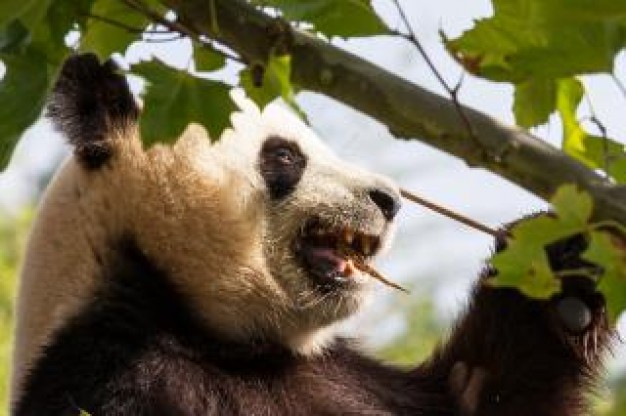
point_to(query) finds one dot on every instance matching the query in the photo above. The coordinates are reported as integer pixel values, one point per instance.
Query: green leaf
(524, 264)
(66, 15)
(573, 207)
(174, 98)
(23, 92)
(14, 9)
(207, 59)
(534, 101)
(595, 151)
(606, 252)
(13, 37)
(33, 16)
(112, 29)
(274, 82)
(525, 267)
(345, 18)
(526, 39)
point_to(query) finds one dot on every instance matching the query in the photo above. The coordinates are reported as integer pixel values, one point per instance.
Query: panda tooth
(348, 236)
(366, 245)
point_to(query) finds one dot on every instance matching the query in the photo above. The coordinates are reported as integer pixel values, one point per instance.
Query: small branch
(450, 214)
(453, 92)
(174, 26)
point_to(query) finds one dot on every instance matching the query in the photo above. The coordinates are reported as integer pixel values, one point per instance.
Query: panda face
(312, 206)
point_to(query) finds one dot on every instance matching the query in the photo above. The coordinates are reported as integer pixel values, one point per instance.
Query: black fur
(282, 165)
(88, 103)
(137, 350)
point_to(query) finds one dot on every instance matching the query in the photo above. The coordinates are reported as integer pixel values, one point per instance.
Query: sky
(432, 255)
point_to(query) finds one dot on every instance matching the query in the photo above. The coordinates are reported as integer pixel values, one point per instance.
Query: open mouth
(331, 254)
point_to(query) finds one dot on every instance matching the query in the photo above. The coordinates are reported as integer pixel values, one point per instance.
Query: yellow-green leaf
(534, 101)
(595, 151)
(611, 256)
(274, 82)
(524, 263)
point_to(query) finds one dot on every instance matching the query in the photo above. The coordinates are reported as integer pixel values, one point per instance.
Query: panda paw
(583, 325)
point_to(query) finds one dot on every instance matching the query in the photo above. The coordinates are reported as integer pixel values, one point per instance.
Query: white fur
(201, 212)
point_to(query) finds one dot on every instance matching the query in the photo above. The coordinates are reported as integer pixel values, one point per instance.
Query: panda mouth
(334, 255)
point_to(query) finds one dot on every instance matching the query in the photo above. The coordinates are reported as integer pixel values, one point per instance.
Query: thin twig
(377, 275)
(606, 157)
(174, 26)
(620, 84)
(453, 92)
(450, 214)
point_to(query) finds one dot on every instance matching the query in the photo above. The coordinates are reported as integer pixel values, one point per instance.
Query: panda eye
(281, 163)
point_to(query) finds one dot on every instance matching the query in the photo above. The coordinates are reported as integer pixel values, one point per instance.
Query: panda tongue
(327, 260)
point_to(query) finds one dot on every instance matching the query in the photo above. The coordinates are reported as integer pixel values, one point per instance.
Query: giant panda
(205, 279)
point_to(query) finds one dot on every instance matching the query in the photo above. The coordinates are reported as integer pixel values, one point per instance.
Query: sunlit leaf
(263, 85)
(573, 207)
(534, 101)
(524, 263)
(525, 266)
(174, 98)
(595, 151)
(605, 251)
(344, 18)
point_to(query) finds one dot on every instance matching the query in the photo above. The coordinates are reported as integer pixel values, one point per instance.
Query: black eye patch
(282, 165)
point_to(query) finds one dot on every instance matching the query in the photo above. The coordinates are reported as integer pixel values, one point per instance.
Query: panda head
(248, 229)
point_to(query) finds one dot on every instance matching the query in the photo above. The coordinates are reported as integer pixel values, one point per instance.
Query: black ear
(89, 102)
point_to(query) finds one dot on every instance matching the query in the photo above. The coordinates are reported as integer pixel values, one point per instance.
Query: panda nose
(388, 203)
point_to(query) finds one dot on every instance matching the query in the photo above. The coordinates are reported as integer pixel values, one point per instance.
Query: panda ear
(90, 102)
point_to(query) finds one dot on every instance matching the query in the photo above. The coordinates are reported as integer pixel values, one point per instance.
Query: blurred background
(437, 259)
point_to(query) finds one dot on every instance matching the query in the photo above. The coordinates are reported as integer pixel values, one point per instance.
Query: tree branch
(408, 110)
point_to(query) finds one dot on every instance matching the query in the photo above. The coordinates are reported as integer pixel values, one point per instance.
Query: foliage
(541, 46)
(12, 239)
(524, 264)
